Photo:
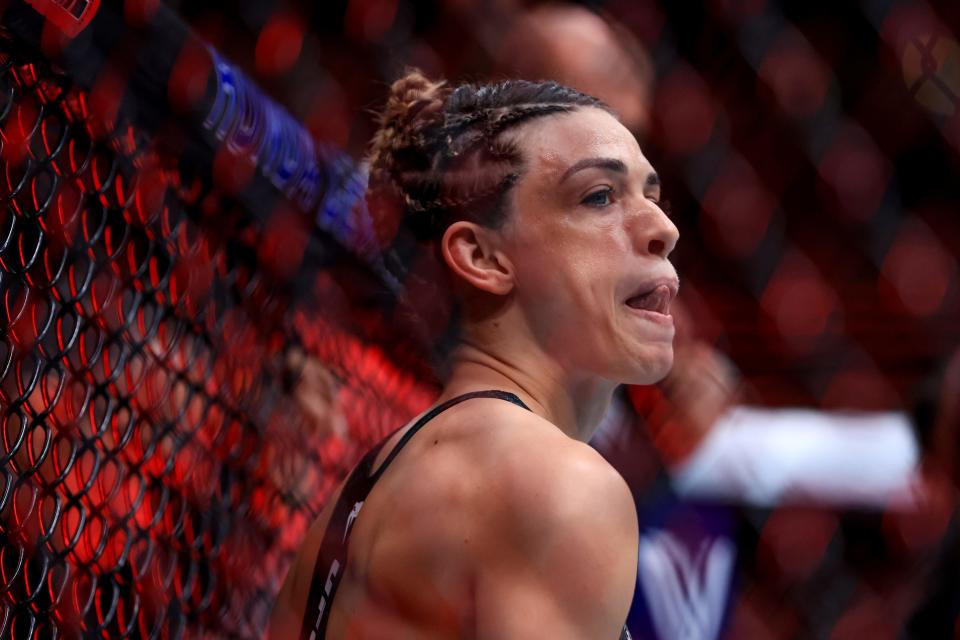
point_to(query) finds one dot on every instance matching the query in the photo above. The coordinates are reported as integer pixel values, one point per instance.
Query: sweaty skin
(494, 521)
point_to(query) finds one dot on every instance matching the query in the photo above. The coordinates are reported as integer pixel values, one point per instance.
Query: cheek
(567, 287)
(560, 272)
(581, 250)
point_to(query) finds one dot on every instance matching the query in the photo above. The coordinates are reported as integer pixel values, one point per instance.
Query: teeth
(656, 300)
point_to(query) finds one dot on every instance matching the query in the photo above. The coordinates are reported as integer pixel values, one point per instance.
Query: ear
(472, 254)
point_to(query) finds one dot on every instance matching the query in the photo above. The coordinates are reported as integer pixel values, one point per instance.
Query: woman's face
(589, 246)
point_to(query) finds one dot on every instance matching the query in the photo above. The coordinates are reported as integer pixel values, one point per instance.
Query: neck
(575, 406)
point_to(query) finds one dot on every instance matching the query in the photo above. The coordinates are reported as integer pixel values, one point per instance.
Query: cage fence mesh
(160, 461)
(179, 395)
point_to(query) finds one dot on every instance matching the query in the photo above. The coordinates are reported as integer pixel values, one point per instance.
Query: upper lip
(647, 286)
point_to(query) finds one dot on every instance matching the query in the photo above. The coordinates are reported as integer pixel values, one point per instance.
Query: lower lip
(663, 319)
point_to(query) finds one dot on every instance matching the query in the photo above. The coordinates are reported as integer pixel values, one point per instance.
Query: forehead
(552, 144)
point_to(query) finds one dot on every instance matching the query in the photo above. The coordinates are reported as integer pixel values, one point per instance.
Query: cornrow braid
(439, 149)
(512, 116)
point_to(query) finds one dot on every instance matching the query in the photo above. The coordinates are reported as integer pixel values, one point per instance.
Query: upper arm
(562, 560)
(284, 618)
(288, 612)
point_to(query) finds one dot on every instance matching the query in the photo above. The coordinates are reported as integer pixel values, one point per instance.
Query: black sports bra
(332, 557)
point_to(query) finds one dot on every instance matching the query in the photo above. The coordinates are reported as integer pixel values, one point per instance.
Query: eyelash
(590, 201)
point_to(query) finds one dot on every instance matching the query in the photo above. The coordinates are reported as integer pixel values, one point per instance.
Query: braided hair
(439, 151)
(439, 156)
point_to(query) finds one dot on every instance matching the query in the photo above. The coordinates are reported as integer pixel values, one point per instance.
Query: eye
(599, 198)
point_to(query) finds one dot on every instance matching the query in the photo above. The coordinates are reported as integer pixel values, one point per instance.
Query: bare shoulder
(560, 534)
(537, 468)
(551, 483)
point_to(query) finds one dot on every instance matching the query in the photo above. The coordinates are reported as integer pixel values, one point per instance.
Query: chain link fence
(181, 387)
(160, 457)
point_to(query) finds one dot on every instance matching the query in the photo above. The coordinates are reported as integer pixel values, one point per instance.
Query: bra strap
(332, 557)
(437, 410)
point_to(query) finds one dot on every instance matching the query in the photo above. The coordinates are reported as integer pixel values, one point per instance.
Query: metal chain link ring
(156, 472)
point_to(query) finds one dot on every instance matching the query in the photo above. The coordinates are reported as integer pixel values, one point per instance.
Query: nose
(653, 232)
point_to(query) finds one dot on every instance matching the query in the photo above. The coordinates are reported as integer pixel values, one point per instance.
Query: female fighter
(489, 516)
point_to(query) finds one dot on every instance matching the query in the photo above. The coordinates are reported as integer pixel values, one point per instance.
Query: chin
(650, 368)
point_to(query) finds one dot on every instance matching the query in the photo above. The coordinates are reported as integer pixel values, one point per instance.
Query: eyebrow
(608, 164)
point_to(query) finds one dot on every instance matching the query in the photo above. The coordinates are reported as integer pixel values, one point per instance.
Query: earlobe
(473, 256)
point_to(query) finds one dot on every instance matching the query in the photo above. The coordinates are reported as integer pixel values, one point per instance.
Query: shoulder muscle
(563, 551)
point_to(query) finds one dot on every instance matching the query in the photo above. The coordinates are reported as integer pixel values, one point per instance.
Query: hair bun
(414, 104)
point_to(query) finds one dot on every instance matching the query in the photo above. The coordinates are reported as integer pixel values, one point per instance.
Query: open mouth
(656, 299)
